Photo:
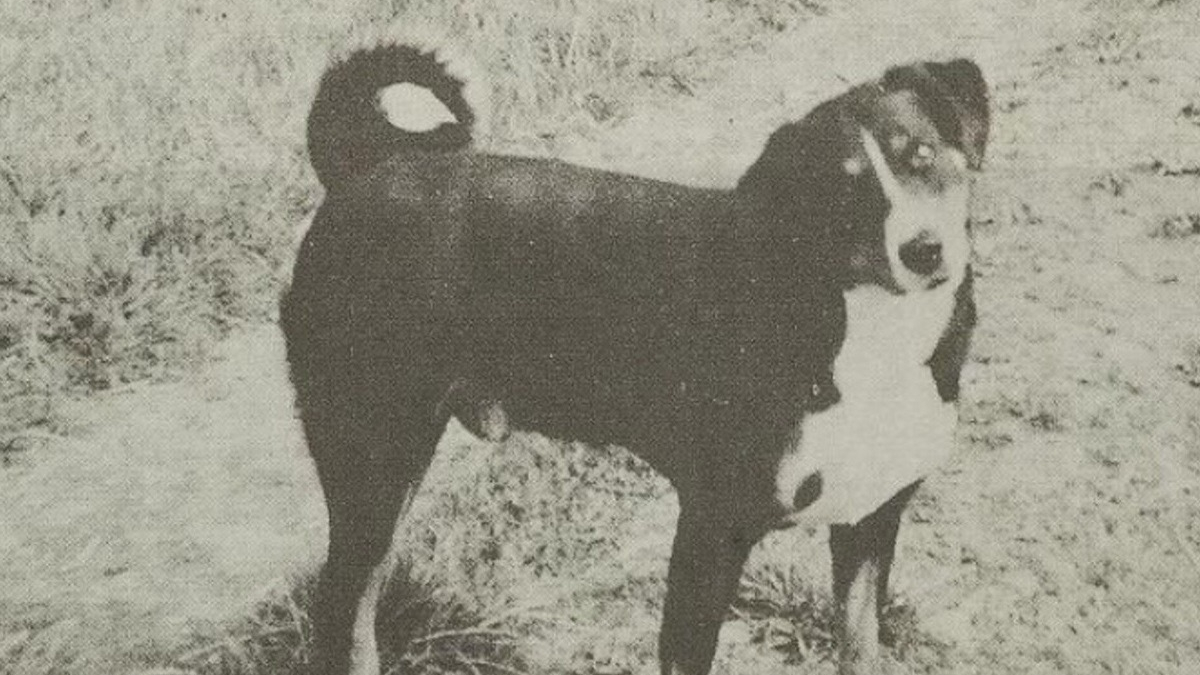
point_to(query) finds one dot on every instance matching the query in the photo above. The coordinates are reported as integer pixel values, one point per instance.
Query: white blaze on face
(941, 214)
(414, 108)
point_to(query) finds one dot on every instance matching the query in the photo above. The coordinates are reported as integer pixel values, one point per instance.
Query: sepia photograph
(599, 337)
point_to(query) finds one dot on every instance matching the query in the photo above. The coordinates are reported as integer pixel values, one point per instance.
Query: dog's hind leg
(862, 562)
(369, 469)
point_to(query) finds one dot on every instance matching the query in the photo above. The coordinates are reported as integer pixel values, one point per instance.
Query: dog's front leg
(706, 563)
(862, 562)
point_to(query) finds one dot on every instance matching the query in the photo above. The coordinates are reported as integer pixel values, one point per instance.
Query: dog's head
(875, 183)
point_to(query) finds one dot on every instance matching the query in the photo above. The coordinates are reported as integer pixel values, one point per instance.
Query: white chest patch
(890, 427)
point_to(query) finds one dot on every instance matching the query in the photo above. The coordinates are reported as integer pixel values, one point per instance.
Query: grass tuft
(492, 552)
(423, 629)
(1178, 226)
(787, 614)
(427, 628)
(154, 169)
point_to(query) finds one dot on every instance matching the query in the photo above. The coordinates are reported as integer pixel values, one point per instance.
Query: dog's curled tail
(391, 98)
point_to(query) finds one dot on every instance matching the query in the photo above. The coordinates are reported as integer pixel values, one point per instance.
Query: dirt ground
(1064, 537)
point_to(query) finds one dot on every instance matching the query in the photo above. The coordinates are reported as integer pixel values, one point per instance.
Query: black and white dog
(786, 351)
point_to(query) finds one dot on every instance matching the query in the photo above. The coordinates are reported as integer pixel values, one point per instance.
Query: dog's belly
(891, 427)
(565, 387)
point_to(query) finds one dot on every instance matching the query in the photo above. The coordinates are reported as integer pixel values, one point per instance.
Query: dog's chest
(889, 339)
(890, 427)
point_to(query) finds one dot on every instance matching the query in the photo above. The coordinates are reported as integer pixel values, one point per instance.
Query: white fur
(413, 108)
(364, 649)
(434, 39)
(890, 427)
(943, 215)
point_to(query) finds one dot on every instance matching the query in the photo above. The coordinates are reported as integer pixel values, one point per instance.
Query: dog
(785, 351)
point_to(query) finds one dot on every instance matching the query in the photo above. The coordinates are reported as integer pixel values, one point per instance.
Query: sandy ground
(168, 510)
(1064, 537)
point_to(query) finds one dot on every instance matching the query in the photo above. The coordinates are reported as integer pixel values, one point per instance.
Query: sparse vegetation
(488, 558)
(152, 179)
(153, 169)
(152, 175)
(424, 628)
(787, 613)
(1178, 226)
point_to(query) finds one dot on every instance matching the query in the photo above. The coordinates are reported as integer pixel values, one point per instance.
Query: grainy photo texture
(680, 336)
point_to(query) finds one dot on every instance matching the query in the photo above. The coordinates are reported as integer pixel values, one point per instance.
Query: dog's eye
(921, 155)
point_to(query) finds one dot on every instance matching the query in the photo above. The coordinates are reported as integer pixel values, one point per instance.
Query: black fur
(954, 94)
(695, 327)
(951, 353)
(348, 133)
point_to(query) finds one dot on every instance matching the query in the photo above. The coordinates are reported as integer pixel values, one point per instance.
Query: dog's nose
(922, 254)
(809, 491)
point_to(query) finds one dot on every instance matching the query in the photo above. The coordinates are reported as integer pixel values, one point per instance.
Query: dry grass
(425, 628)
(153, 170)
(152, 178)
(154, 174)
(1064, 539)
(496, 546)
(787, 613)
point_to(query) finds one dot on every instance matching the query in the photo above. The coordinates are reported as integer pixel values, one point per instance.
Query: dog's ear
(955, 96)
(794, 164)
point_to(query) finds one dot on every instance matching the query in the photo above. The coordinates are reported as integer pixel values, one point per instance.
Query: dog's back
(585, 299)
(530, 273)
